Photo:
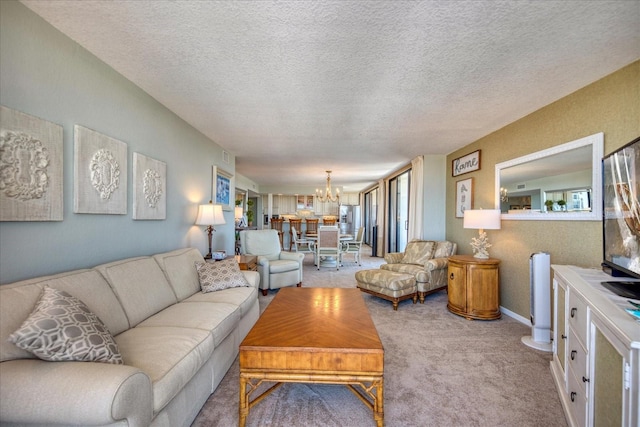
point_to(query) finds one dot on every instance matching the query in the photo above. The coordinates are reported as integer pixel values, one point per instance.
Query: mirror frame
(597, 143)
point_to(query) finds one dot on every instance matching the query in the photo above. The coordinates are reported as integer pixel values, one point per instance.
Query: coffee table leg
(244, 402)
(378, 407)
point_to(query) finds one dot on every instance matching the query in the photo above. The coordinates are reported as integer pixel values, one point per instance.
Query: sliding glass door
(398, 212)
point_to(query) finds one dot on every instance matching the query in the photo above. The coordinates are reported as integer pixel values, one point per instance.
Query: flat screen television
(621, 218)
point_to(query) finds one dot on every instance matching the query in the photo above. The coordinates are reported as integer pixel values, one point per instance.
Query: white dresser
(596, 350)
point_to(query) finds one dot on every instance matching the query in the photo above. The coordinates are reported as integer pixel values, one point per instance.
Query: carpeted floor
(440, 370)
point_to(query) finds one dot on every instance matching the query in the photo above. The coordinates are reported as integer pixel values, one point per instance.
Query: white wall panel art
(30, 168)
(149, 188)
(100, 173)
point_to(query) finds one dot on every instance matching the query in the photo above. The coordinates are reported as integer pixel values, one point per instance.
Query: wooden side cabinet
(473, 288)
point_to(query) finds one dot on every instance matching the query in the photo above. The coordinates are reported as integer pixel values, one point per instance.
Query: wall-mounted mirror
(559, 183)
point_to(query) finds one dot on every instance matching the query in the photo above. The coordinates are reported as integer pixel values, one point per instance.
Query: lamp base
(481, 256)
(208, 256)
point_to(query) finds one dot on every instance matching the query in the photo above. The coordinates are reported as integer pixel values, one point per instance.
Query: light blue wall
(45, 74)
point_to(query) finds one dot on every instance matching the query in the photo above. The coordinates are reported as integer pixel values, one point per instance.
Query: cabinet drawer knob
(451, 276)
(573, 354)
(564, 337)
(573, 311)
(585, 380)
(573, 396)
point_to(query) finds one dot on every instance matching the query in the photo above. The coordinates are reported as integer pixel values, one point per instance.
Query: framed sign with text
(465, 164)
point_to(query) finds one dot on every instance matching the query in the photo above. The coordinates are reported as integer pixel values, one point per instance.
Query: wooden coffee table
(314, 335)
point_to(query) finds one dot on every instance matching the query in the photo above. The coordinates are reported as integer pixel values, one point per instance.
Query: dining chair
(301, 245)
(276, 224)
(327, 247)
(295, 225)
(354, 246)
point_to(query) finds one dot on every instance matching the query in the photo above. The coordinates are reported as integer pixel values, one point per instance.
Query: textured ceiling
(360, 87)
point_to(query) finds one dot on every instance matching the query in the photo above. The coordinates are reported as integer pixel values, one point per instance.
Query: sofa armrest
(82, 393)
(293, 256)
(253, 277)
(436, 264)
(394, 257)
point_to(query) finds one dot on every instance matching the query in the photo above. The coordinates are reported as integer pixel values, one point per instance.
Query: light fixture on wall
(504, 196)
(481, 219)
(210, 215)
(328, 196)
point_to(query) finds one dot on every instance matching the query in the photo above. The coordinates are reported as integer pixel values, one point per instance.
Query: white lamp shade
(210, 214)
(486, 219)
(238, 212)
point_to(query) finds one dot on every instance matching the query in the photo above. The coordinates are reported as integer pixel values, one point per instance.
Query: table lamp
(481, 219)
(239, 216)
(210, 215)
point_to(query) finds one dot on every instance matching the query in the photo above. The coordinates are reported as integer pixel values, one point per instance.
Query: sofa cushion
(444, 249)
(170, 356)
(418, 252)
(217, 318)
(418, 271)
(62, 328)
(140, 285)
(178, 267)
(242, 297)
(17, 301)
(219, 275)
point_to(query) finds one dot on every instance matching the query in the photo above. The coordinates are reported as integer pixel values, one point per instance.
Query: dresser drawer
(577, 357)
(578, 317)
(577, 399)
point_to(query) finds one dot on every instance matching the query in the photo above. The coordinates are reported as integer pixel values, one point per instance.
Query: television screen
(621, 213)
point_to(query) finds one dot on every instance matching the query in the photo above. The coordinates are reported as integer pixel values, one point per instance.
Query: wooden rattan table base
(369, 389)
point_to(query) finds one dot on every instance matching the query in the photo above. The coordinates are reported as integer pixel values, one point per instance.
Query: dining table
(329, 261)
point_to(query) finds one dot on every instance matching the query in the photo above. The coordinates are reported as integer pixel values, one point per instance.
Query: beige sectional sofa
(177, 343)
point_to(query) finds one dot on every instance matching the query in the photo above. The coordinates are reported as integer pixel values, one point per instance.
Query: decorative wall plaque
(100, 173)
(149, 188)
(30, 168)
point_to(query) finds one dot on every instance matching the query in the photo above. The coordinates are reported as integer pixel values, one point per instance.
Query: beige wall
(610, 105)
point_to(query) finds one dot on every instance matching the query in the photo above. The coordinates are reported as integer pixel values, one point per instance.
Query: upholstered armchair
(427, 260)
(277, 268)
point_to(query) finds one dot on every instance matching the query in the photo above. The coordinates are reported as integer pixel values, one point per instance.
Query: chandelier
(504, 196)
(327, 196)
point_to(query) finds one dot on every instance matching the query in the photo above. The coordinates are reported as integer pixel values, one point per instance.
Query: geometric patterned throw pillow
(62, 328)
(219, 275)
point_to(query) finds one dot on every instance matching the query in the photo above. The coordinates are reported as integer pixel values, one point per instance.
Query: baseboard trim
(515, 316)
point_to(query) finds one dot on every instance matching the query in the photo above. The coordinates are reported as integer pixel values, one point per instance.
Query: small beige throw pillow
(62, 328)
(418, 252)
(219, 275)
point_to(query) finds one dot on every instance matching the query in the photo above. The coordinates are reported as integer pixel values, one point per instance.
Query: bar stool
(328, 221)
(276, 224)
(312, 226)
(294, 224)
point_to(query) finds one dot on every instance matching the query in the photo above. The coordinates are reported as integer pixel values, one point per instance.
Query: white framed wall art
(100, 173)
(31, 162)
(149, 188)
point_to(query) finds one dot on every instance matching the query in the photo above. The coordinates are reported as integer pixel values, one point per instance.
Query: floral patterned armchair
(427, 260)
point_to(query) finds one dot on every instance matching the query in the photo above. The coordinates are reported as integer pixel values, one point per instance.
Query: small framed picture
(466, 164)
(222, 188)
(464, 196)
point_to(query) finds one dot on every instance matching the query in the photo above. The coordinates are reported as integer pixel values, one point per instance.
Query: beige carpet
(440, 370)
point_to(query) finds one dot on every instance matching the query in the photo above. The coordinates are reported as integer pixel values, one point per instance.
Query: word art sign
(468, 163)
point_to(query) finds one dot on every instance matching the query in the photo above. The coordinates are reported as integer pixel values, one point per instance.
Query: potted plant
(549, 205)
(562, 204)
(250, 212)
